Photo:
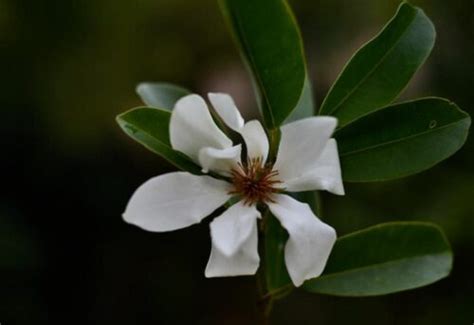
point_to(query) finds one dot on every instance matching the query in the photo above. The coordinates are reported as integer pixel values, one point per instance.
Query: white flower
(307, 159)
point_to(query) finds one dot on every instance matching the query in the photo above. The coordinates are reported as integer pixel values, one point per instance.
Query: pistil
(255, 182)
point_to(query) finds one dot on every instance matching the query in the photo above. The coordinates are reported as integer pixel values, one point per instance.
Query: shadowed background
(66, 256)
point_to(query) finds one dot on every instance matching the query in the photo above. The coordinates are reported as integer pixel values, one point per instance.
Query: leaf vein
(372, 71)
(348, 153)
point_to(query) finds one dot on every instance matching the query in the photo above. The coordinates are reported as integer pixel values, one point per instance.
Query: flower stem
(264, 308)
(318, 204)
(264, 298)
(279, 292)
(274, 137)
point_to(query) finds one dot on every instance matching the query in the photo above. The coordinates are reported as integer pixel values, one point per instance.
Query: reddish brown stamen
(255, 182)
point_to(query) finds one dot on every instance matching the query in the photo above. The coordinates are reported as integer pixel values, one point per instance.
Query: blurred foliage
(68, 67)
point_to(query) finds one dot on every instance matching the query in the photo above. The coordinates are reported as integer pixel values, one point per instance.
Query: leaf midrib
(233, 14)
(139, 129)
(366, 267)
(173, 160)
(372, 71)
(401, 139)
(256, 73)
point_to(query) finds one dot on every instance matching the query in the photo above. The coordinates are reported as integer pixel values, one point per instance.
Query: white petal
(255, 139)
(325, 174)
(310, 242)
(175, 200)
(245, 261)
(219, 160)
(233, 228)
(228, 112)
(253, 133)
(301, 144)
(192, 128)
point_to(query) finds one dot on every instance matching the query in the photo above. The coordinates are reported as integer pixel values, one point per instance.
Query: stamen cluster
(254, 181)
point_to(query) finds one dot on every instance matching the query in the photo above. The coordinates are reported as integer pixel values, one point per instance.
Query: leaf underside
(160, 94)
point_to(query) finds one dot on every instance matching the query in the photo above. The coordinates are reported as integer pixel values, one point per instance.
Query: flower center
(255, 182)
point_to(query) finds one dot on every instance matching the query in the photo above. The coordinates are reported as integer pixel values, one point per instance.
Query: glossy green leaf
(150, 127)
(401, 140)
(160, 94)
(381, 69)
(269, 39)
(385, 259)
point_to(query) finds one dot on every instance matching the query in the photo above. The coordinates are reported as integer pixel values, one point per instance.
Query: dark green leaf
(269, 39)
(160, 94)
(381, 69)
(401, 140)
(385, 259)
(150, 127)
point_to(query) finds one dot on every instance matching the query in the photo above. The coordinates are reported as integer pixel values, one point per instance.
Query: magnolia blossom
(307, 159)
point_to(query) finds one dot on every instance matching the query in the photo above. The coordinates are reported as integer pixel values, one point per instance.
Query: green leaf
(385, 259)
(400, 140)
(269, 39)
(160, 94)
(275, 269)
(381, 69)
(150, 127)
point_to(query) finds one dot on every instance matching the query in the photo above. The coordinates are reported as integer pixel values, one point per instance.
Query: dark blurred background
(66, 256)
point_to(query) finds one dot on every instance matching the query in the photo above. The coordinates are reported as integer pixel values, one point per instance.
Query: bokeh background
(68, 67)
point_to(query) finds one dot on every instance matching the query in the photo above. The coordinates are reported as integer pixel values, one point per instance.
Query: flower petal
(253, 133)
(228, 112)
(219, 160)
(301, 144)
(232, 229)
(325, 174)
(175, 200)
(310, 242)
(192, 128)
(256, 140)
(244, 261)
